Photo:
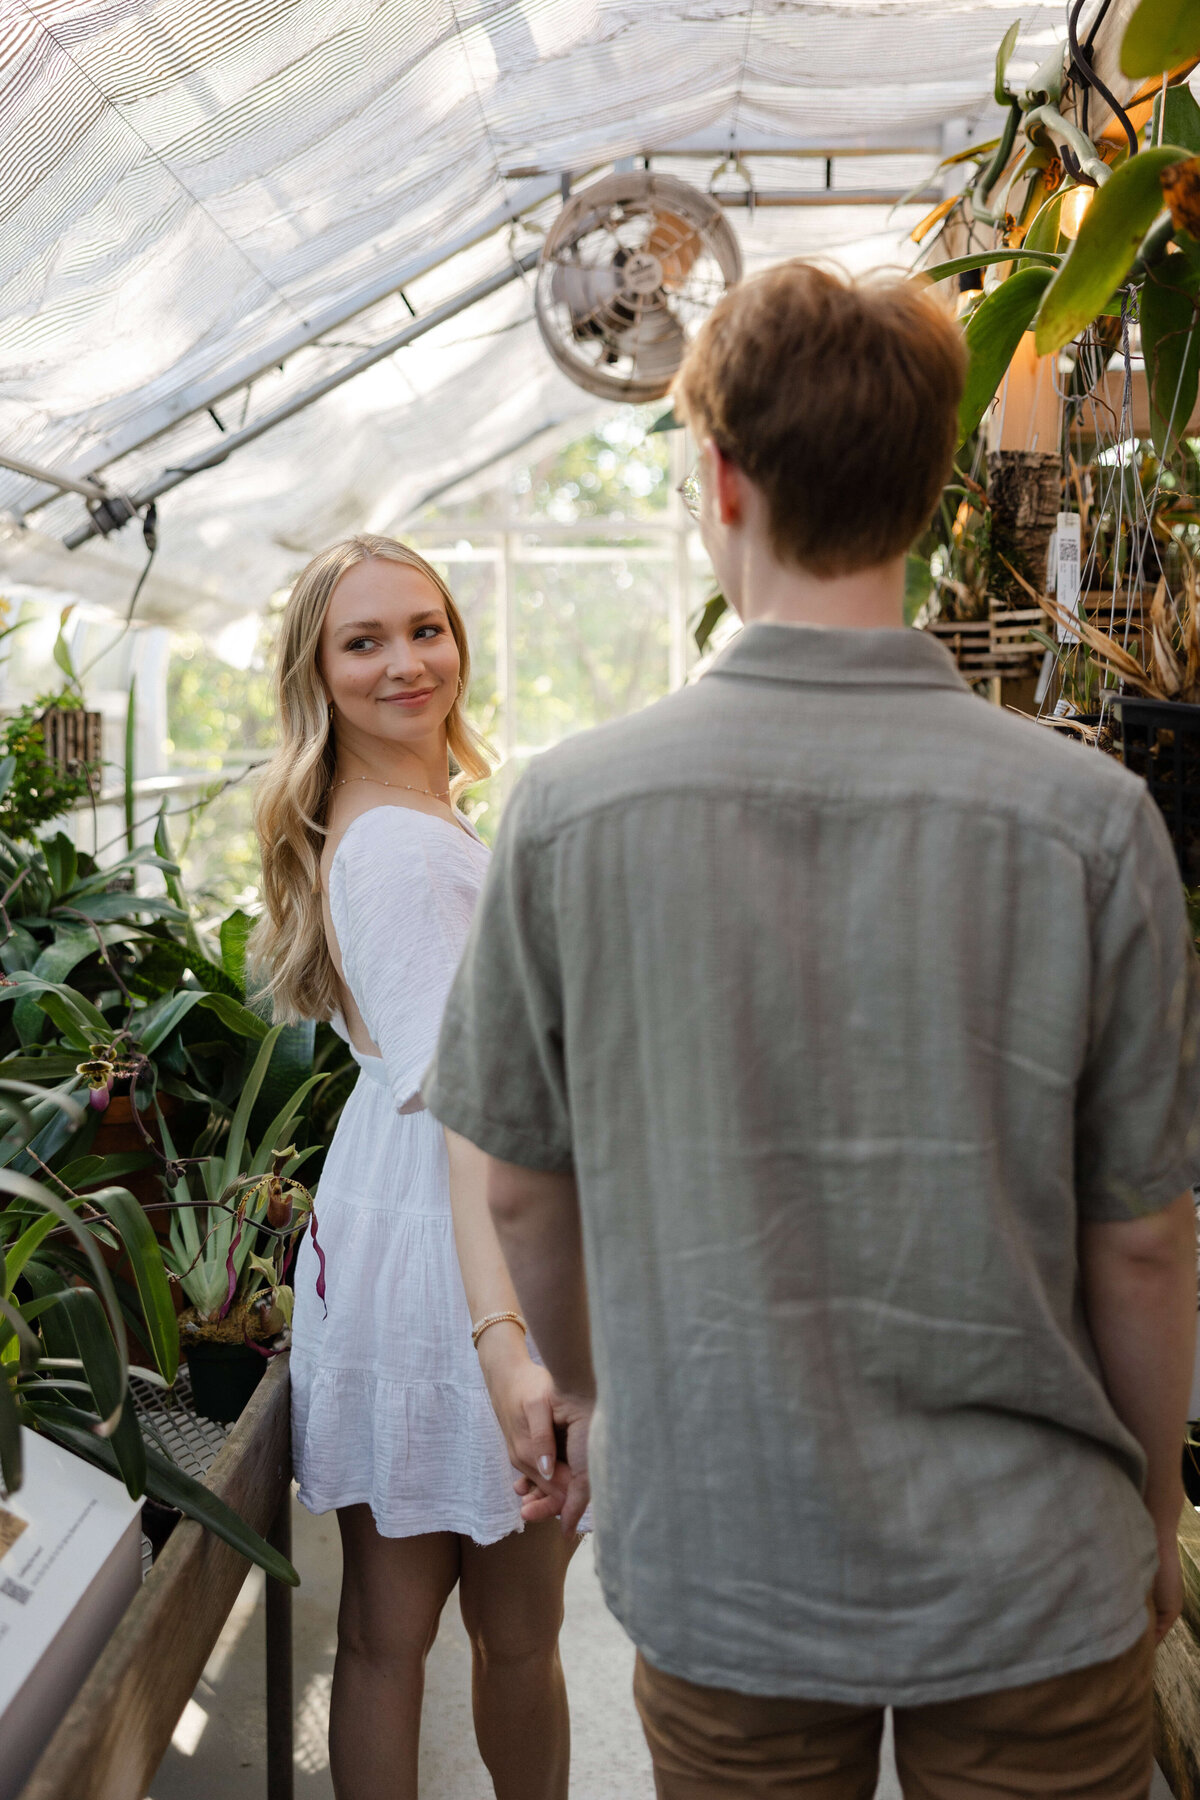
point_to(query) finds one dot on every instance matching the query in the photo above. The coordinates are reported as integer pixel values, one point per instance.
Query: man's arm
(1139, 1288)
(536, 1214)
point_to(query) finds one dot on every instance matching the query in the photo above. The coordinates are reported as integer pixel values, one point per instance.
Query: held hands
(533, 1418)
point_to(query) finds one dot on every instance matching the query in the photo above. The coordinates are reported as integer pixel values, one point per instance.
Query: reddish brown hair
(839, 399)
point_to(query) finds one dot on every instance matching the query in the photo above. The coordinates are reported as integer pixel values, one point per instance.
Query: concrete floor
(218, 1748)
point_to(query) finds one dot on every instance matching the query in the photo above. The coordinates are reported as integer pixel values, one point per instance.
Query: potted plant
(231, 1250)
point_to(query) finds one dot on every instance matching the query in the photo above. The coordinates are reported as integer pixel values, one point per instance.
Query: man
(845, 1029)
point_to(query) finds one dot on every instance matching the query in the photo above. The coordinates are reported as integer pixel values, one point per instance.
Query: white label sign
(1066, 585)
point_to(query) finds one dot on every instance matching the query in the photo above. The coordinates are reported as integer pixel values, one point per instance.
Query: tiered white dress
(389, 1407)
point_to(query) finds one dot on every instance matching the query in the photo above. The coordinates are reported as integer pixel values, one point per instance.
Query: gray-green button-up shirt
(846, 996)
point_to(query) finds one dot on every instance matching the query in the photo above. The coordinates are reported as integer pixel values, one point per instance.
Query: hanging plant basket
(72, 740)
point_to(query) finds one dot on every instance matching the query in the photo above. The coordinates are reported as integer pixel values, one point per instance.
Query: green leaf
(150, 1277)
(235, 930)
(1160, 35)
(19, 1253)
(714, 611)
(166, 1482)
(983, 259)
(1007, 46)
(103, 1366)
(917, 585)
(62, 861)
(278, 1133)
(62, 655)
(231, 1012)
(74, 1015)
(24, 1189)
(8, 768)
(126, 906)
(996, 328)
(666, 422)
(38, 1068)
(1044, 233)
(1119, 217)
(156, 1024)
(1182, 123)
(1170, 320)
(11, 1460)
(236, 1143)
(85, 1171)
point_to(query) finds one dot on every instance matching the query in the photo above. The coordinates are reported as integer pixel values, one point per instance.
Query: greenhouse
(735, 468)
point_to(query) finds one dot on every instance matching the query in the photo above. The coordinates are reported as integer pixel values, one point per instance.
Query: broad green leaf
(85, 1171)
(62, 861)
(1182, 122)
(1007, 45)
(105, 1371)
(1043, 234)
(291, 1064)
(166, 1482)
(1160, 35)
(32, 1068)
(125, 906)
(279, 1132)
(18, 1254)
(1117, 220)
(62, 655)
(1170, 320)
(918, 583)
(8, 768)
(235, 930)
(231, 1012)
(667, 421)
(984, 259)
(150, 1277)
(23, 1188)
(159, 1021)
(236, 1143)
(996, 328)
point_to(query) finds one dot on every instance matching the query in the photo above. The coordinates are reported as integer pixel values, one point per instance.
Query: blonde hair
(288, 948)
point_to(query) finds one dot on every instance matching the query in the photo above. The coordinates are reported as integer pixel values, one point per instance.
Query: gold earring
(331, 712)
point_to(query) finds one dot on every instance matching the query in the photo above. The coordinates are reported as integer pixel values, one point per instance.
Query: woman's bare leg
(511, 1594)
(393, 1592)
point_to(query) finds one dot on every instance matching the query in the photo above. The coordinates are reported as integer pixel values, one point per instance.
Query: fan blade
(676, 245)
(587, 291)
(656, 343)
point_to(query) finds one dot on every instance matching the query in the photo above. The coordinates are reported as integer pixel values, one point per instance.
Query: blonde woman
(370, 874)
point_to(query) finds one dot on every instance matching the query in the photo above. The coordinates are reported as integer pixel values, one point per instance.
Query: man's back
(838, 964)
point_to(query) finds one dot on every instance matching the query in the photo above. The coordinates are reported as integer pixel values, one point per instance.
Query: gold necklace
(443, 799)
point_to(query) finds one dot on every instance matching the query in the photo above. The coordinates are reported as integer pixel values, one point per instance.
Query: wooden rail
(117, 1731)
(1177, 1677)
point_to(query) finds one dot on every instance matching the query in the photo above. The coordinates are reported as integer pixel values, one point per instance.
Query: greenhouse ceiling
(210, 210)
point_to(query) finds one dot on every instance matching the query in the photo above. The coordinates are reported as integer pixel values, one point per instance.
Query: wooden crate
(969, 643)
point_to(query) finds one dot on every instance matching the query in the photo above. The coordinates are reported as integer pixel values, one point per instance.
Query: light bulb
(1073, 211)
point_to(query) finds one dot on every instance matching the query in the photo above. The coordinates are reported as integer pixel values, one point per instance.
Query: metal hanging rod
(700, 151)
(234, 440)
(66, 484)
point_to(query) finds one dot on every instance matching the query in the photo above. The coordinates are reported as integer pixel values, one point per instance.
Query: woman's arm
(521, 1391)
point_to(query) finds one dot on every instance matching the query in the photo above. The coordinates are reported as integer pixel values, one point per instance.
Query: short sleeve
(1137, 1119)
(500, 1078)
(402, 890)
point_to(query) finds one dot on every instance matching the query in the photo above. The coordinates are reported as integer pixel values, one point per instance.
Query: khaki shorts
(1089, 1733)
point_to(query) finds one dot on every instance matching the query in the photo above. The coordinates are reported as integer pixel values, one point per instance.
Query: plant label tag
(1066, 582)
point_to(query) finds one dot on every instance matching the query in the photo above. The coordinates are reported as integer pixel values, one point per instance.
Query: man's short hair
(839, 399)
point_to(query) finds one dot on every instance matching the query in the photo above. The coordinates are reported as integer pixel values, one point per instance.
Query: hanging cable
(1088, 75)
(150, 539)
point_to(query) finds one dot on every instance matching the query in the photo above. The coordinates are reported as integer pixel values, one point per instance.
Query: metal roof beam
(200, 395)
(219, 452)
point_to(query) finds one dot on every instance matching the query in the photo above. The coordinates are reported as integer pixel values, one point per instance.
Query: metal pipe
(763, 197)
(211, 459)
(814, 152)
(66, 484)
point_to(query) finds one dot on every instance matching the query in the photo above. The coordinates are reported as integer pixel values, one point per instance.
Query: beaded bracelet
(498, 1318)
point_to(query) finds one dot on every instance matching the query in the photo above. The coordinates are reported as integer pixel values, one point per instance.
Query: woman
(370, 874)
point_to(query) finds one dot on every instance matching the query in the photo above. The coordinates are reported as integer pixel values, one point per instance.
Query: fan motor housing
(630, 269)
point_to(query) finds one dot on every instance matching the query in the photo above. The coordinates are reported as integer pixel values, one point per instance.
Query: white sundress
(389, 1407)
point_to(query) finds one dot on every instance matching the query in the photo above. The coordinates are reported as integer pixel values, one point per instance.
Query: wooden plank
(1177, 1711)
(1189, 1558)
(117, 1731)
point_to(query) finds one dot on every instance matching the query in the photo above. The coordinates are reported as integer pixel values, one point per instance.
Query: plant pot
(224, 1376)
(117, 1135)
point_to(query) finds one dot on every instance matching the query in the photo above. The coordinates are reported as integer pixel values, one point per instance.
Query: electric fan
(630, 270)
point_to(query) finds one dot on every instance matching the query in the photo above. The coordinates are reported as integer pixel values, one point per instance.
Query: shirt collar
(819, 657)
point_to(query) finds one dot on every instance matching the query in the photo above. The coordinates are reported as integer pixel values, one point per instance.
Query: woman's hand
(522, 1396)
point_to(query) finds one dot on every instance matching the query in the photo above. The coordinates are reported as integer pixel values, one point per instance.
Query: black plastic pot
(223, 1378)
(1160, 741)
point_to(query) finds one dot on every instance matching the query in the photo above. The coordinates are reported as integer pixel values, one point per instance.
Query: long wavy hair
(288, 949)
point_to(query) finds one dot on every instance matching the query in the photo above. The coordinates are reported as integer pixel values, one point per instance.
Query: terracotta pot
(117, 1135)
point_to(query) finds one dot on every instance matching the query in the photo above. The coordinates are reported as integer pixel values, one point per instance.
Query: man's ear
(727, 482)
